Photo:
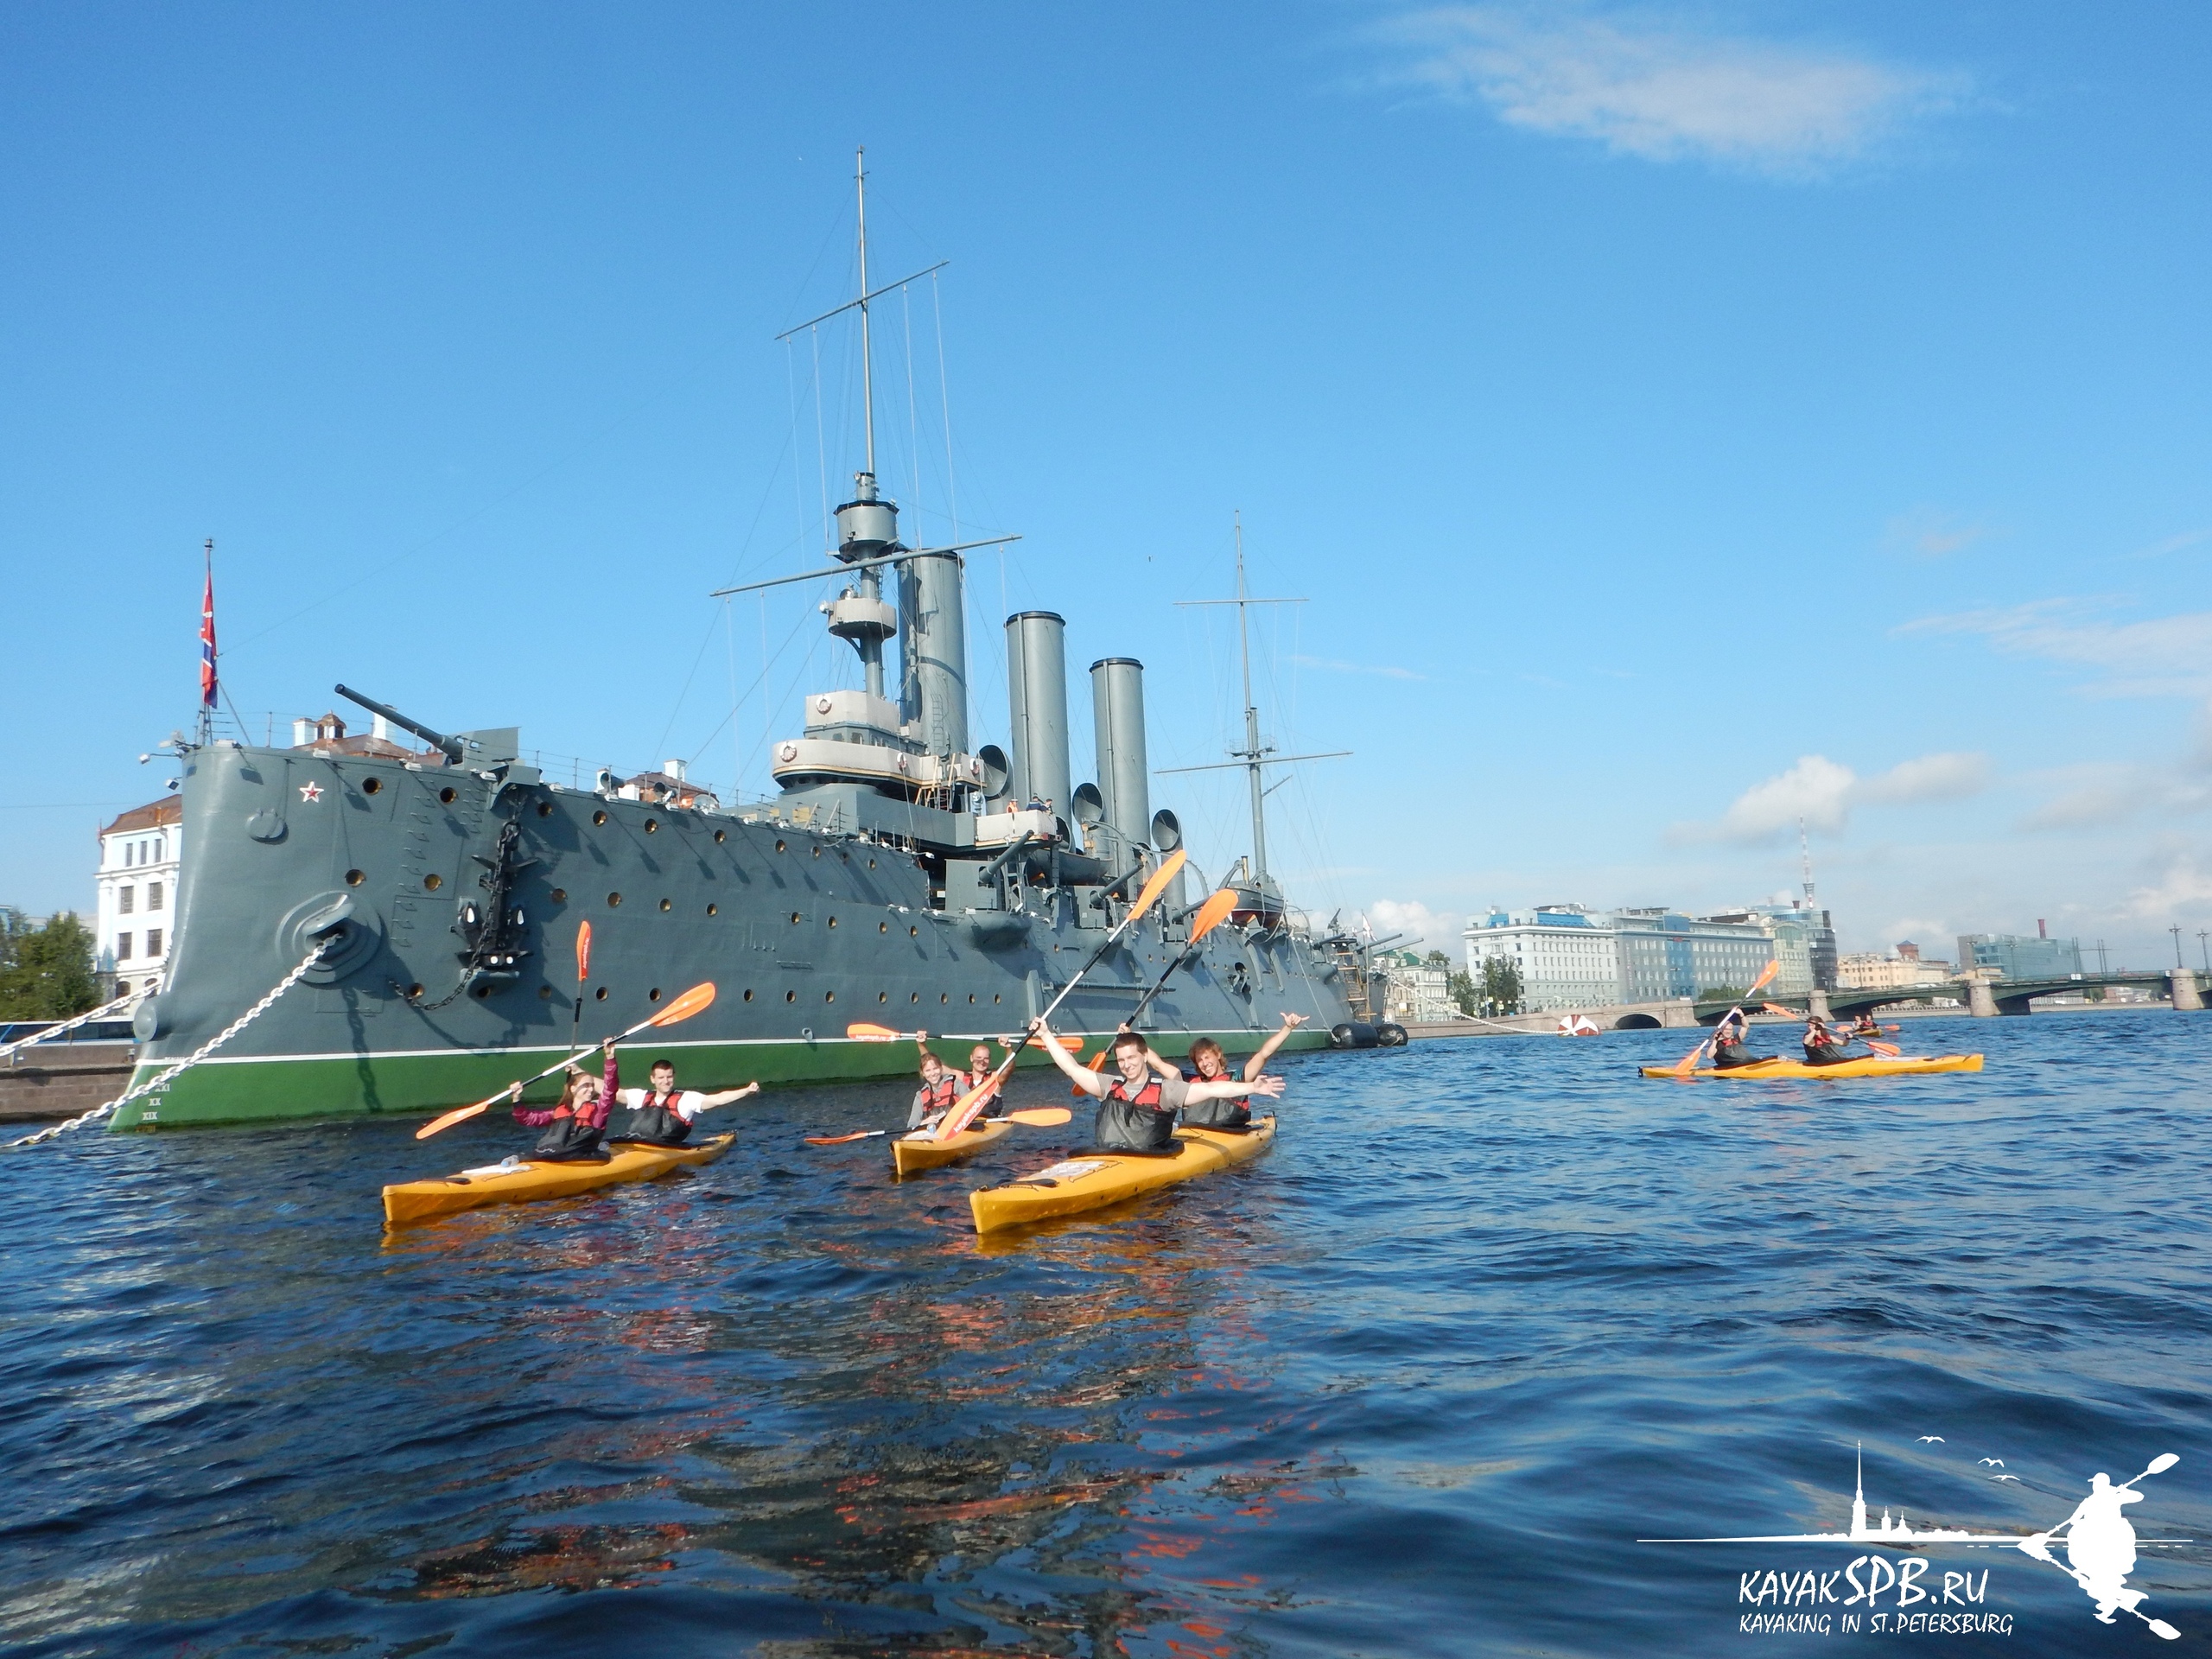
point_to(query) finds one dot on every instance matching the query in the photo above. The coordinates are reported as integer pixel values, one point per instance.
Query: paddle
(1038, 1117)
(1211, 915)
(1684, 1066)
(699, 997)
(973, 1102)
(583, 972)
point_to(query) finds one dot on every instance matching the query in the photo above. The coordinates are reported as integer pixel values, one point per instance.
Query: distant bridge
(1983, 997)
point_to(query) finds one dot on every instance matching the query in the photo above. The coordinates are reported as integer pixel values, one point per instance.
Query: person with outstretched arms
(661, 1115)
(1136, 1110)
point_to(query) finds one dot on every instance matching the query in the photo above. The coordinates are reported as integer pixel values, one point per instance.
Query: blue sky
(1677, 419)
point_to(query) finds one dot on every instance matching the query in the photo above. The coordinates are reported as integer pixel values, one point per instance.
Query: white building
(1565, 953)
(1870, 972)
(139, 857)
(1419, 993)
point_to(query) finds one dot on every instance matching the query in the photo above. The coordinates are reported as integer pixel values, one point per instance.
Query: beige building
(1872, 972)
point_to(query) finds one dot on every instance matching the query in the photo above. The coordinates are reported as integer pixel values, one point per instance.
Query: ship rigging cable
(190, 1060)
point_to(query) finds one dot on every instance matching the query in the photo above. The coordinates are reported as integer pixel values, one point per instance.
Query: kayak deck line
(1094, 1179)
(1767, 1070)
(525, 1182)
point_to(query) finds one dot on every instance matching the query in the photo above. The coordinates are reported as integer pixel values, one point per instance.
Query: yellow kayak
(1075, 1185)
(521, 1182)
(910, 1152)
(1905, 1065)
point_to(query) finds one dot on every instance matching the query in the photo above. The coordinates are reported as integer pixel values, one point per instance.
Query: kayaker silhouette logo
(2099, 1544)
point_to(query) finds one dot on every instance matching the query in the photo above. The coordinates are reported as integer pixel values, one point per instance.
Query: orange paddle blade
(1073, 1045)
(1041, 1117)
(861, 1031)
(583, 951)
(1890, 1049)
(1688, 1064)
(966, 1108)
(453, 1117)
(1212, 913)
(699, 997)
(1787, 1014)
(1772, 968)
(1149, 895)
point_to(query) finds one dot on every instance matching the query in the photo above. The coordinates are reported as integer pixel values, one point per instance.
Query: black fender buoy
(1389, 1034)
(1353, 1034)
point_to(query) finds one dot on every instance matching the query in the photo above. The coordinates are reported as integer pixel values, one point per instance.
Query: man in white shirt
(662, 1115)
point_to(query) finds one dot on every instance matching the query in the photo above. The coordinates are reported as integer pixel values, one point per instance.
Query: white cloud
(1822, 792)
(1663, 90)
(2182, 886)
(1436, 929)
(2164, 657)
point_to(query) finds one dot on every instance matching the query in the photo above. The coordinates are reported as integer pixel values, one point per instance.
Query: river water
(1417, 1382)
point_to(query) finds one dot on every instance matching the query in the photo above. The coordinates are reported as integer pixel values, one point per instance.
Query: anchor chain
(189, 1060)
(66, 1026)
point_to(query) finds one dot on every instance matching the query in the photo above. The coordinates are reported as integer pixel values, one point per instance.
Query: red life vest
(942, 1095)
(655, 1119)
(1147, 1097)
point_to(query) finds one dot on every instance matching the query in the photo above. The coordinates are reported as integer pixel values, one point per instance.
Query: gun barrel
(451, 745)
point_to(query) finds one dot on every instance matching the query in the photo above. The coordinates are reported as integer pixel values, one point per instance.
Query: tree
(1466, 995)
(46, 972)
(1723, 993)
(1437, 959)
(1501, 988)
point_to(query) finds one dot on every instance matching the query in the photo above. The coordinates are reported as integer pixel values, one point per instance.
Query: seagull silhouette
(1994, 1463)
(2004, 1477)
(1937, 1437)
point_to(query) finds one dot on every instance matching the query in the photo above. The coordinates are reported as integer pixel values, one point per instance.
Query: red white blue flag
(207, 642)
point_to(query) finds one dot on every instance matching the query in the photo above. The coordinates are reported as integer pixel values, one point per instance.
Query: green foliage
(1437, 959)
(1724, 994)
(1500, 986)
(46, 972)
(1466, 994)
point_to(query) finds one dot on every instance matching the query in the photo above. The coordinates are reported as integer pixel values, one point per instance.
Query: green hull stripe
(263, 1091)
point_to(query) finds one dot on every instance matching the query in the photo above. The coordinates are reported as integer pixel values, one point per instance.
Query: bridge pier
(1675, 1015)
(2188, 999)
(1980, 1001)
(1817, 1004)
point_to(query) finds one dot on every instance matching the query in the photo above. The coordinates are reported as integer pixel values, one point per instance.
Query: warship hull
(393, 867)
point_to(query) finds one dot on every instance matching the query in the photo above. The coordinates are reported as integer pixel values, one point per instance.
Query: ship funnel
(933, 653)
(1124, 775)
(1036, 696)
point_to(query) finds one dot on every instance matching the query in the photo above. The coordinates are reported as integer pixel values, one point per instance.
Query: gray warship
(904, 877)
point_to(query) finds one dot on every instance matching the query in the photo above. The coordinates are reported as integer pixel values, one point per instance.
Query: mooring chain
(64, 1028)
(189, 1060)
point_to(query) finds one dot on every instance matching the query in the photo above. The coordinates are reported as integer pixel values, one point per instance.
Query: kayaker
(1823, 1046)
(1865, 1026)
(1728, 1037)
(1136, 1111)
(574, 1125)
(1209, 1064)
(939, 1092)
(979, 1073)
(662, 1115)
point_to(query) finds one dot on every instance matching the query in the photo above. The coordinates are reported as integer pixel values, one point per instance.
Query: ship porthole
(601, 994)
(748, 996)
(433, 881)
(828, 996)
(652, 824)
(794, 919)
(818, 849)
(653, 995)
(944, 996)
(833, 921)
(994, 997)
(414, 991)
(667, 904)
(545, 809)
(560, 895)
(871, 863)
(370, 785)
(791, 996)
(971, 997)
(447, 794)
(612, 899)
(883, 927)
(545, 992)
(599, 817)
(913, 932)
(713, 909)
(720, 837)
(916, 997)
(483, 991)
(780, 846)
(354, 878)
(883, 996)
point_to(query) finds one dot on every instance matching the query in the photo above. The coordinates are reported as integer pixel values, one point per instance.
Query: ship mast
(1255, 756)
(867, 355)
